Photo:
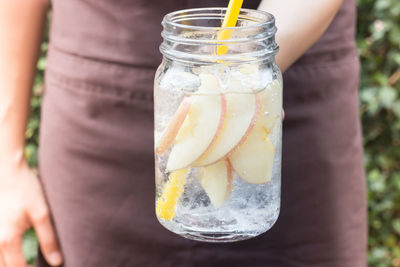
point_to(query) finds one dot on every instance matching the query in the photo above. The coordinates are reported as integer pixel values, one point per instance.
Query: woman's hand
(23, 205)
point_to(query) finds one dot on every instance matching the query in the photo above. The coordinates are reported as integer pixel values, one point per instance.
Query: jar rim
(192, 35)
(265, 18)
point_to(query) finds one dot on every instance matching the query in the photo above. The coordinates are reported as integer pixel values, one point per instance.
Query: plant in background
(30, 245)
(378, 40)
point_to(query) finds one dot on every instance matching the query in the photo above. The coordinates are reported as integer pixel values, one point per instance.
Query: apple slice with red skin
(253, 160)
(173, 127)
(217, 182)
(198, 131)
(241, 114)
(209, 84)
(201, 125)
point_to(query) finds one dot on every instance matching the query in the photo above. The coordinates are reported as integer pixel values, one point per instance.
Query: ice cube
(178, 79)
(265, 77)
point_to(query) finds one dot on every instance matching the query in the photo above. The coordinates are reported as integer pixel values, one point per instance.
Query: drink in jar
(218, 147)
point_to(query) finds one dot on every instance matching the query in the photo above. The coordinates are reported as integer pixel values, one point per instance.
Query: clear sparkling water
(251, 209)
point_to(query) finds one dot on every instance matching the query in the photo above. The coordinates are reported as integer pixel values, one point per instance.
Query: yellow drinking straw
(173, 189)
(230, 19)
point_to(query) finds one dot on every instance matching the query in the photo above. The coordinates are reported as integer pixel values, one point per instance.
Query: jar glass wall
(218, 106)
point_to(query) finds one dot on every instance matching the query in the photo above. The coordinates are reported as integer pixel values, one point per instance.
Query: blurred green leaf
(396, 225)
(387, 96)
(30, 246)
(41, 65)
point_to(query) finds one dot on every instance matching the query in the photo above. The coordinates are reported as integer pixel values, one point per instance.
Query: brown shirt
(129, 32)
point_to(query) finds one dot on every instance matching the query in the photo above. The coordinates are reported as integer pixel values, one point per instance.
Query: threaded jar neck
(191, 35)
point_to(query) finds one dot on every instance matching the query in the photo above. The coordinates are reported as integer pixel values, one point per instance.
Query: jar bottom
(218, 236)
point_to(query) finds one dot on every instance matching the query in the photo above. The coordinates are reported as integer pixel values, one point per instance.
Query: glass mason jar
(218, 112)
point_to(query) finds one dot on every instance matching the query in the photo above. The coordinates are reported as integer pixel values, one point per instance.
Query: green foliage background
(379, 46)
(378, 39)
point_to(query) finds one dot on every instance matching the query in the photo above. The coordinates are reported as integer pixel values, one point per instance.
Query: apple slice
(173, 127)
(249, 69)
(217, 182)
(241, 114)
(236, 85)
(271, 105)
(208, 83)
(204, 119)
(253, 160)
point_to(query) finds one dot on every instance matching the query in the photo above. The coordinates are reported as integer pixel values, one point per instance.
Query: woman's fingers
(11, 249)
(22, 205)
(2, 263)
(47, 237)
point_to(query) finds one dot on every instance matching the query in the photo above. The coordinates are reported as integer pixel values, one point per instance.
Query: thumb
(47, 237)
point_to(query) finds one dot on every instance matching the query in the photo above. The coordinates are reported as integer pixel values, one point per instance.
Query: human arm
(22, 202)
(300, 24)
